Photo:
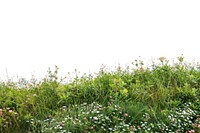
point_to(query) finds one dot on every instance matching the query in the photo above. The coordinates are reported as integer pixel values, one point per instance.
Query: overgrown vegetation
(161, 98)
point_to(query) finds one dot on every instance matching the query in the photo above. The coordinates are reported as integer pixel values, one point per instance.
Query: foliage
(162, 97)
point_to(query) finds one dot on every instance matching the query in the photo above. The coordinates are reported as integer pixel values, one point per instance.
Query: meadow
(163, 97)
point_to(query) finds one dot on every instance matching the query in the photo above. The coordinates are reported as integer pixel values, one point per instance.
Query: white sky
(84, 34)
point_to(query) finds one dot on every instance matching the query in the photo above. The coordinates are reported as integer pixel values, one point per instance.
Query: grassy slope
(161, 98)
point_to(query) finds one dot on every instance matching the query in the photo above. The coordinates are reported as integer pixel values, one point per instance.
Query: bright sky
(84, 34)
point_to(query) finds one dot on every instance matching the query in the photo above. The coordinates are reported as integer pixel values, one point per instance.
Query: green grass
(160, 98)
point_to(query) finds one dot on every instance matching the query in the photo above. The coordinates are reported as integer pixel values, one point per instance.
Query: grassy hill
(162, 98)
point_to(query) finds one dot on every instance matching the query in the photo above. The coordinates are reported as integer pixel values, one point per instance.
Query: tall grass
(163, 97)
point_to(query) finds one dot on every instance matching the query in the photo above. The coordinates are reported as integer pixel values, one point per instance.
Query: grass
(161, 98)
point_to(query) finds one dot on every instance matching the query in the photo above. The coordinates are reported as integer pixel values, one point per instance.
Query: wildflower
(95, 118)
(97, 112)
(131, 128)
(10, 111)
(198, 126)
(138, 127)
(91, 128)
(191, 131)
(110, 129)
(172, 120)
(162, 59)
(10, 122)
(126, 115)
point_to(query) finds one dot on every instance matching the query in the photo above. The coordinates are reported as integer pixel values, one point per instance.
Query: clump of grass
(162, 97)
